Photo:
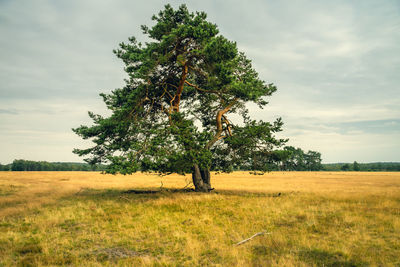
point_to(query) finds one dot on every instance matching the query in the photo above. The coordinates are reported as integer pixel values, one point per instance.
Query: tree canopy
(174, 113)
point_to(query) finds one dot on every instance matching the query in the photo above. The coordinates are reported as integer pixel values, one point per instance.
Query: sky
(336, 65)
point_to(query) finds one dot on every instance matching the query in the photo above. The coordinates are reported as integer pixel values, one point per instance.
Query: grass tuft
(320, 257)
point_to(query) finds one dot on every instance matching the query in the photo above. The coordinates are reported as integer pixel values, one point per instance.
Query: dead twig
(129, 200)
(251, 237)
(161, 186)
(188, 184)
(116, 253)
(80, 190)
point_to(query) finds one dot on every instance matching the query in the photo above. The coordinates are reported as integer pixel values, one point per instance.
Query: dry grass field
(90, 219)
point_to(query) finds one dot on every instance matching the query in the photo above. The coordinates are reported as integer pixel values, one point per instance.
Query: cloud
(353, 146)
(8, 111)
(335, 64)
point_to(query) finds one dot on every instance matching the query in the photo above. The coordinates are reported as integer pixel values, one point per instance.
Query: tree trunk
(205, 176)
(201, 179)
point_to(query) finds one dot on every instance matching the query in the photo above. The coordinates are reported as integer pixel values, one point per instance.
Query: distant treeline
(364, 167)
(295, 159)
(288, 159)
(29, 165)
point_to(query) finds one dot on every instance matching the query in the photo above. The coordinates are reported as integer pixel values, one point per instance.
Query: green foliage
(173, 111)
(295, 159)
(345, 167)
(287, 159)
(5, 167)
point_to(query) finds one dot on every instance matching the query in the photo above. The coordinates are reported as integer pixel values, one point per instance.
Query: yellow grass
(315, 219)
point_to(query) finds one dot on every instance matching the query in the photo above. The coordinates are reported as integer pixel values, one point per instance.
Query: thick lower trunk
(201, 179)
(205, 176)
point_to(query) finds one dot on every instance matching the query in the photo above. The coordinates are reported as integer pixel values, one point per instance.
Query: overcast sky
(336, 65)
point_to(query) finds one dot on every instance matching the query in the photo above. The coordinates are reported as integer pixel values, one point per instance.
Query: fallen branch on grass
(122, 197)
(251, 237)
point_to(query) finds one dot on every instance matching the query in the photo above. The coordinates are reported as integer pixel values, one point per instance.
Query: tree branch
(228, 129)
(177, 97)
(218, 118)
(198, 88)
(251, 237)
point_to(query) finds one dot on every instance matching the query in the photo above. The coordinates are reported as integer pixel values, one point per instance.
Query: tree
(345, 167)
(313, 160)
(18, 165)
(172, 115)
(356, 166)
(295, 160)
(279, 158)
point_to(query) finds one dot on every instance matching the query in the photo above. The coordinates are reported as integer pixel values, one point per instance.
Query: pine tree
(173, 114)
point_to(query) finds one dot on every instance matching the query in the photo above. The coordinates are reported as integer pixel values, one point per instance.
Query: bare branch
(129, 200)
(251, 237)
(190, 183)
